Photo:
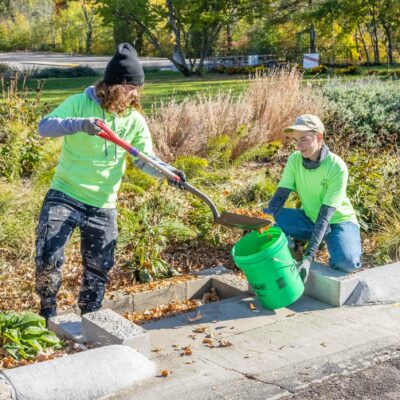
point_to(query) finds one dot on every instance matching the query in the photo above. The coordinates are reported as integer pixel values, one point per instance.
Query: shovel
(231, 220)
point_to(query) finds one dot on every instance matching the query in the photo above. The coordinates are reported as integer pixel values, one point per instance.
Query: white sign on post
(310, 60)
(253, 60)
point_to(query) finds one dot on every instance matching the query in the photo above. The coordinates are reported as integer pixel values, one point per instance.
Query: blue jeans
(59, 216)
(343, 240)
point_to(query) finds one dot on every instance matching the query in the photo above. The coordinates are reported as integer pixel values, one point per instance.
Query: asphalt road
(23, 60)
(380, 382)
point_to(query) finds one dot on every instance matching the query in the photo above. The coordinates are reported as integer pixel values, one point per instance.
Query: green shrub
(374, 186)
(320, 69)
(263, 153)
(20, 145)
(177, 231)
(258, 192)
(220, 148)
(350, 70)
(72, 72)
(193, 166)
(4, 68)
(388, 238)
(23, 336)
(362, 113)
(135, 176)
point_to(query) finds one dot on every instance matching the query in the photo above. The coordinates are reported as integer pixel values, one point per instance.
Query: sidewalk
(273, 354)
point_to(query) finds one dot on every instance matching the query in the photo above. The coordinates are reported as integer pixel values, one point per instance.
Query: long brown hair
(114, 99)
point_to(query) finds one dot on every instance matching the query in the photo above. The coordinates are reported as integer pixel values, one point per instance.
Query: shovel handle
(109, 135)
(203, 197)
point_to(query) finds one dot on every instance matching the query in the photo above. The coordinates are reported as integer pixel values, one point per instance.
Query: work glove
(89, 126)
(173, 182)
(304, 268)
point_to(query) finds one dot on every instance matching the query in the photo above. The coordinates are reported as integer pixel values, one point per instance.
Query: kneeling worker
(319, 177)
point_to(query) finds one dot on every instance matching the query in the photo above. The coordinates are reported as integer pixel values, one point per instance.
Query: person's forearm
(56, 127)
(149, 169)
(277, 201)
(320, 229)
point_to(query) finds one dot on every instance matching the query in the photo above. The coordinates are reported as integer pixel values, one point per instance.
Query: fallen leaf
(224, 343)
(187, 351)
(156, 350)
(200, 329)
(291, 314)
(209, 342)
(197, 317)
(252, 306)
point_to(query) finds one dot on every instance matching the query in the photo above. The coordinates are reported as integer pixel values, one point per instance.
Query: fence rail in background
(268, 60)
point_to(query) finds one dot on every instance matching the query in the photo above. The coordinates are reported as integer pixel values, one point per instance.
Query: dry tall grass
(268, 104)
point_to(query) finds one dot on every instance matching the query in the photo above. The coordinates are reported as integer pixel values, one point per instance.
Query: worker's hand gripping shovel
(225, 218)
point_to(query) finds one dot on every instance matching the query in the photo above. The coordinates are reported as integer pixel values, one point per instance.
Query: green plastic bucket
(266, 261)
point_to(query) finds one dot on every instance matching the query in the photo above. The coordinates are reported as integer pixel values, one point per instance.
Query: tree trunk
(89, 24)
(373, 32)
(313, 45)
(364, 45)
(389, 36)
(229, 39)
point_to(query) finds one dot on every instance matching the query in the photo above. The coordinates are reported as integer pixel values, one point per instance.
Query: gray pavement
(39, 60)
(273, 354)
(380, 382)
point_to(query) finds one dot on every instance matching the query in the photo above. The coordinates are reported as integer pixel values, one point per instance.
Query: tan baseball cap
(306, 122)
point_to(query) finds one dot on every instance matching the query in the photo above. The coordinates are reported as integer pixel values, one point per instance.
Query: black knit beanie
(124, 67)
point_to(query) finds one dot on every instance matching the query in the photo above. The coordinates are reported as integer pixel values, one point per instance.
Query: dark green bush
(72, 72)
(362, 113)
(4, 68)
(320, 69)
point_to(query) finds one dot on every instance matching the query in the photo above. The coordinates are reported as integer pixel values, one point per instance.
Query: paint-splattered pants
(59, 216)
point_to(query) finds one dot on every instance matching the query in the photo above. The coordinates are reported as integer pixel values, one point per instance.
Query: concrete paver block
(331, 286)
(119, 302)
(105, 327)
(219, 270)
(150, 299)
(376, 286)
(195, 289)
(226, 290)
(87, 375)
(233, 280)
(6, 392)
(67, 326)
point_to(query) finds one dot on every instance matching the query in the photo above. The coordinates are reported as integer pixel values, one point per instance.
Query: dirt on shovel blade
(242, 221)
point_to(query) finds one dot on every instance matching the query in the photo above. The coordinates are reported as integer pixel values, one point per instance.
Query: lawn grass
(161, 86)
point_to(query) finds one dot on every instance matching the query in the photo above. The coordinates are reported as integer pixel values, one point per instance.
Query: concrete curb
(222, 279)
(81, 376)
(377, 285)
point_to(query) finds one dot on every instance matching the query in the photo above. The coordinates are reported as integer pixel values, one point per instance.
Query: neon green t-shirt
(90, 169)
(323, 185)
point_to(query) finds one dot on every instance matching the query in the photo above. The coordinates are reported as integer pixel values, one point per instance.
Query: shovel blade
(241, 221)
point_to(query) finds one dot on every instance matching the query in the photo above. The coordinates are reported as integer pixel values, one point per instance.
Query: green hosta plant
(25, 335)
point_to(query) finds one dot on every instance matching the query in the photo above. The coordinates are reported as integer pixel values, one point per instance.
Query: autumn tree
(193, 26)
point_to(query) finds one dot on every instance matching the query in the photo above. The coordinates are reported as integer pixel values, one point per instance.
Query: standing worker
(319, 177)
(84, 188)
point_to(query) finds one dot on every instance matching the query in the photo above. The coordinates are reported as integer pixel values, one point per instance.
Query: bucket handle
(282, 262)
